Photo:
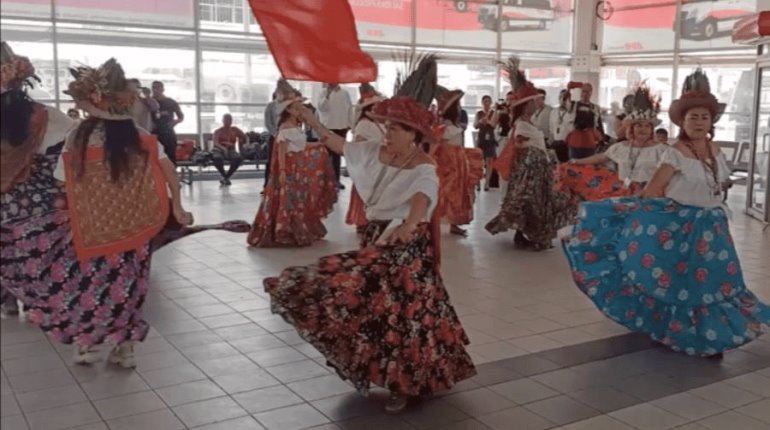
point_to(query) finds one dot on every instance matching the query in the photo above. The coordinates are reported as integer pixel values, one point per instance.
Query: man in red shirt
(225, 148)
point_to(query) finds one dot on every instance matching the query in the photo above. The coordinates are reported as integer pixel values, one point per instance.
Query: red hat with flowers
(522, 89)
(103, 91)
(696, 92)
(15, 71)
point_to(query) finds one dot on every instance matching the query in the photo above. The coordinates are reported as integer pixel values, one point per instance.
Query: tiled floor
(217, 359)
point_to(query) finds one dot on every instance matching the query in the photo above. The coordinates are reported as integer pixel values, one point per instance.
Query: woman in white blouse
(666, 264)
(366, 130)
(636, 158)
(381, 315)
(302, 188)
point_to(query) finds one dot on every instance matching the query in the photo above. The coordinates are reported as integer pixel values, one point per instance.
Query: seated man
(225, 148)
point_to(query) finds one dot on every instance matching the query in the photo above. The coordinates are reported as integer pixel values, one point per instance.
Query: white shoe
(123, 356)
(396, 403)
(85, 356)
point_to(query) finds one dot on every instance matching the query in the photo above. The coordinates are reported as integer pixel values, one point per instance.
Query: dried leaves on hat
(696, 81)
(515, 75)
(421, 73)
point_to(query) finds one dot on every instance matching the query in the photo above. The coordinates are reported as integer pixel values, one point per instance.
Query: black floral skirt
(380, 315)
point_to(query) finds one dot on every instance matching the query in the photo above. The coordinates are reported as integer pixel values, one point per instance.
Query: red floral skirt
(380, 315)
(356, 210)
(291, 213)
(456, 189)
(592, 182)
(475, 165)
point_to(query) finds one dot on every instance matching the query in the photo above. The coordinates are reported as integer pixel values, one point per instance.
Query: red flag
(314, 40)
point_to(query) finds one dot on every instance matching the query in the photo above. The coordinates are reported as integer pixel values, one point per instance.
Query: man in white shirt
(561, 124)
(334, 109)
(542, 117)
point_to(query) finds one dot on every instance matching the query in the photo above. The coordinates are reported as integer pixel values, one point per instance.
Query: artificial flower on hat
(15, 71)
(103, 91)
(696, 92)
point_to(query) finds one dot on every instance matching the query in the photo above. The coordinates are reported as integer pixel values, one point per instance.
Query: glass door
(758, 197)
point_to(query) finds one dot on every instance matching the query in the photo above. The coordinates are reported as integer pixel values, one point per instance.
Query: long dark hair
(121, 144)
(517, 112)
(16, 110)
(452, 113)
(364, 111)
(285, 116)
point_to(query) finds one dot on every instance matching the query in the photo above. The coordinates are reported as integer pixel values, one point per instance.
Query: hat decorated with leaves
(522, 89)
(645, 106)
(696, 92)
(15, 71)
(103, 91)
(413, 95)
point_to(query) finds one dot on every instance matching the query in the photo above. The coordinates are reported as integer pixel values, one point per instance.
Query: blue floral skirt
(666, 269)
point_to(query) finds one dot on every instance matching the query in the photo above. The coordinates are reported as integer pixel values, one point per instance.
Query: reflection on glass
(236, 78)
(540, 25)
(638, 25)
(165, 13)
(709, 24)
(384, 21)
(173, 67)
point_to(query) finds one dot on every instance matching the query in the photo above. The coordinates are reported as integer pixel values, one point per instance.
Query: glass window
(709, 24)
(33, 39)
(533, 25)
(27, 8)
(173, 67)
(165, 13)
(638, 25)
(227, 15)
(384, 21)
(230, 78)
(618, 81)
(456, 23)
(734, 86)
(552, 79)
(190, 123)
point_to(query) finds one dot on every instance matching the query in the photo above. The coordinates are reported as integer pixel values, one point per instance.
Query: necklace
(710, 168)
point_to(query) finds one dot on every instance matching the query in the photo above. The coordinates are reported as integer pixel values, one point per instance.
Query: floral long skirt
(665, 269)
(380, 315)
(456, 187)
(531, 205)
(592, 182)
(83, 302)
(291, 213)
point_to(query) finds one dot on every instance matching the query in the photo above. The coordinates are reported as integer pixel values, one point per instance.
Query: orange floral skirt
(592, 182)
(456, 189)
